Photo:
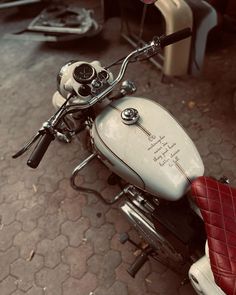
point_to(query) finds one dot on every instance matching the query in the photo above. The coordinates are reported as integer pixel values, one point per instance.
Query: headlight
(63, 72)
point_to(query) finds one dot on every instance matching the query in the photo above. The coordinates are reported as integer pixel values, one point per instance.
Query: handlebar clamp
(156, 43)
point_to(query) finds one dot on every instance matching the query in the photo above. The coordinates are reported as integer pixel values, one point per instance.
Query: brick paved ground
(74, 238)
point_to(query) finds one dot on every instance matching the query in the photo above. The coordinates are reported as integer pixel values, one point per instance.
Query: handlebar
(154, 46)
(175, 37)
(40, 149)
(47, 132)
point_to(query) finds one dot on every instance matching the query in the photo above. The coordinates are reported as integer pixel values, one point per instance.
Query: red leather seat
(217, 203)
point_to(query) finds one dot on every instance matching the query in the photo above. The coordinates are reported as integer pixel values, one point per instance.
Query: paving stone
(6, 258)
(214, 135)
(96, 213)
(17, 187)
(28, 193)
(51, 224)
(19, 175)
(29, 217)
(214, 171)
(157, 267)
(118, 288)
(117, 218)
(202, 146)
(73, 207)
(134, 235)
(91, 199)
(8, 211)
(51, 250)
(25, 270)
(212, 159)
(99, 185)
(51, 280)
(194, 131)
(55, 172)
(225, 149)
(101, 291)
(64, 185)
(103, 173)
(8, 286)
(228, 172)
(7, 234)
(18, 292)
(53, 202)
(35, 291)
(49, 182)
(77, 258)
(75, 231)
(127, 250)
(27, 241)
(187, 290)
(35, 200)
(135, 285)
(107, 274)
(94, 263)
(4, 164)
(84, 286)
(166, 283)
(7, 194)
(2, 199)
(10, 198)
(90, 172)
(101, 238)
(110, 191)
(32, 185)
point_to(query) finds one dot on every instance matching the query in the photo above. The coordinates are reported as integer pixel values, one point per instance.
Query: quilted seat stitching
(224, 277)
(232, 201)
(213, 188)
(234, 246)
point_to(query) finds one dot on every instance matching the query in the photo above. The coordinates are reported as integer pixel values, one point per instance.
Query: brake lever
(29, 144)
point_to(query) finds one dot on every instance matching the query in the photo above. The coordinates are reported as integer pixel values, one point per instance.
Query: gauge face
(84, 73)
(103, 75)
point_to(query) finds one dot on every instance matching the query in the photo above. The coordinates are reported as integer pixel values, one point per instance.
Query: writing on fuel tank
(164, 153)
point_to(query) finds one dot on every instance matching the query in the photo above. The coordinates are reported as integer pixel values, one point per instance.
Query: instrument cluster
(84, 79)
(91, 80)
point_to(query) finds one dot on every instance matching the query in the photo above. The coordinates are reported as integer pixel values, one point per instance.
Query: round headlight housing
(63, 71)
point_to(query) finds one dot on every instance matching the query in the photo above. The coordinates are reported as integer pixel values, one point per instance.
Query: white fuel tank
(154, 153)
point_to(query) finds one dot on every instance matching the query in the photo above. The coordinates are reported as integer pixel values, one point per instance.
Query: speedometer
(84, 73)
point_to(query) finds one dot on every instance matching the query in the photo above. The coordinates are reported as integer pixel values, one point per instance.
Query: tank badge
(129, 116)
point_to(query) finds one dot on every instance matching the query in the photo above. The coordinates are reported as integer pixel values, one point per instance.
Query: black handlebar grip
(40, 149)
(175, 37)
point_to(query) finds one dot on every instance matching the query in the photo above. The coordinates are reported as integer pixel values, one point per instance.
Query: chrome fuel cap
(129, 116)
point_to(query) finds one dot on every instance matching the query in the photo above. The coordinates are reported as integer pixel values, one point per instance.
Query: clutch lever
(44, 137)
(47, 127)
(29, 144)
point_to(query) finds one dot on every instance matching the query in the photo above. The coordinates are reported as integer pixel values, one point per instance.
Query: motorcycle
(163, 192)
